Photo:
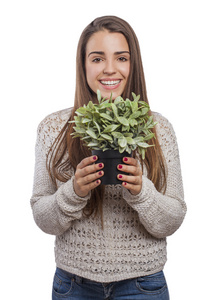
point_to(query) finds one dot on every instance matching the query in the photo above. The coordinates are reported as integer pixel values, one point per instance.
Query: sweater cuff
(70, 192)
(68, 200)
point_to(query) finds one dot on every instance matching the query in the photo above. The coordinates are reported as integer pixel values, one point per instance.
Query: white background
(37, 77)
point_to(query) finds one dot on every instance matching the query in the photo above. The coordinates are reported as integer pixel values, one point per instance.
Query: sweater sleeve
(53, 209)
(162, 214)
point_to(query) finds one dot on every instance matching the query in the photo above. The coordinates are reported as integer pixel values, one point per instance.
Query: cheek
(125, 70)
(91, 74)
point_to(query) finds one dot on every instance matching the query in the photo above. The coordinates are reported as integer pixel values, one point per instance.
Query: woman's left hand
(132, 181)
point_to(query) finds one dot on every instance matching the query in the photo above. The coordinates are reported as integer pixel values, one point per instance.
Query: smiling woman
(113, 238)
(107, 63)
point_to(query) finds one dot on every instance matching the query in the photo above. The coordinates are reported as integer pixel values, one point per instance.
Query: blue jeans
(69, 286)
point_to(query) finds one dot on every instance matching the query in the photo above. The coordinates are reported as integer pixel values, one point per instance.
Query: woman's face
(107, 63)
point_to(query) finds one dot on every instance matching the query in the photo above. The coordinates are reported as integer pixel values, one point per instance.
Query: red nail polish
(120, 166)
(125, 159)
(100, 165)
(124, 183)
(100, 173)
(97, 181)
(120, 176)
(94, 157)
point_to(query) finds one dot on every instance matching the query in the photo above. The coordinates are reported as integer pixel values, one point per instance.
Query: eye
(97, 60)
(123, 59)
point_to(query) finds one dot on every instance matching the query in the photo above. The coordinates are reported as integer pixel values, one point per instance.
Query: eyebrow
(102, 53)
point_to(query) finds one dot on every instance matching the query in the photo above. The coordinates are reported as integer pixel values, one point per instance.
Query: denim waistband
(77, 278)
(80, 279)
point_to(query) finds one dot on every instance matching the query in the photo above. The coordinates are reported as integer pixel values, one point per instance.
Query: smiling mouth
(110, 82)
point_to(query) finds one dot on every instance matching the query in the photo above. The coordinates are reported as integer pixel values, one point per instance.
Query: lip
(110, 83)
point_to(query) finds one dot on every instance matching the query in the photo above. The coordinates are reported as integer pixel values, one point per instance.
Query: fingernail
(97, 181)
(120, 166)
(100, 165)
(124, 183)
(100, 173)
(94, 157)
(125, 159)
(120, 176)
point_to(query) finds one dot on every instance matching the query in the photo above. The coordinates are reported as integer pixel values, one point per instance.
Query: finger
(93, 184)
(87, 161)
(131, 169)
(85, 184)
(87, 166)
(89, 178)
(130, 161)
(133, 189)
(134, 180)
(83, 190)
(88, 170)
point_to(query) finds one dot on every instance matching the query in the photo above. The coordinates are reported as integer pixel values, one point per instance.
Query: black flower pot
(111, 159)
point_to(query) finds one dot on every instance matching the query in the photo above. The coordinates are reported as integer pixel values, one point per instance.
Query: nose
(109, 67)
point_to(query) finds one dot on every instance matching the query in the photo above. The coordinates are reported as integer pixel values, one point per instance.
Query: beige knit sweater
(133, 240)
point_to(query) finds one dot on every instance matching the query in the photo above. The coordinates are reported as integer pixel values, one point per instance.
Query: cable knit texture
(133, 240)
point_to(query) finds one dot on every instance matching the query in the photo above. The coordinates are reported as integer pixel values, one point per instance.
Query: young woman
(110, 241)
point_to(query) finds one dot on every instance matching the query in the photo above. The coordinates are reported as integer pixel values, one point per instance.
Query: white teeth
(112, 82)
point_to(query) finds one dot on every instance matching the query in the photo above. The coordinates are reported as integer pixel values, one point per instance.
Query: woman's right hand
(87, 176)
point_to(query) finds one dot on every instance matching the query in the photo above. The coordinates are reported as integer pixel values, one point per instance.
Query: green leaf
(104, 99)
(134, 106)
(149, 136)
(86, 138)
(130, 141)
(81, 111)
(91, 106)
(132, 122)
(135, 115)
(127, 114)
(111, 128)
(144, 111)
(80, 130)
(107, 137)
(118, 100)
(121, 150)
(150, 121)
(91, 133)
(86, 120)
(123, 121)
(133, 147)
(117, 135)
(138, 139)
(125, 128)
(97, 126)
(106, 116)
(99, 96)
(114, 108)
(122, 142)
(128, 149)
(142, 152)
(133, 95)
(128, 134)
(93, 144)
(137, 98)
(144, 145)
(104, 104)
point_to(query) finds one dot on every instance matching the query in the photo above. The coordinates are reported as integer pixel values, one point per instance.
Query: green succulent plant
(123, 125)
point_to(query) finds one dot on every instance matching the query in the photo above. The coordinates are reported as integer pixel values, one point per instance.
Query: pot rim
(110, 153)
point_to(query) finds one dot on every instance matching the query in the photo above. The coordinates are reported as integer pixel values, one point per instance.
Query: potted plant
(114, 129)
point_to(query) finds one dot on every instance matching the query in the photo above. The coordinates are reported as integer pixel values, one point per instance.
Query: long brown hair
(66, 153)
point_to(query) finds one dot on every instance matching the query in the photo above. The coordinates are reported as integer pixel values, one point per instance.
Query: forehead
(107, 41)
